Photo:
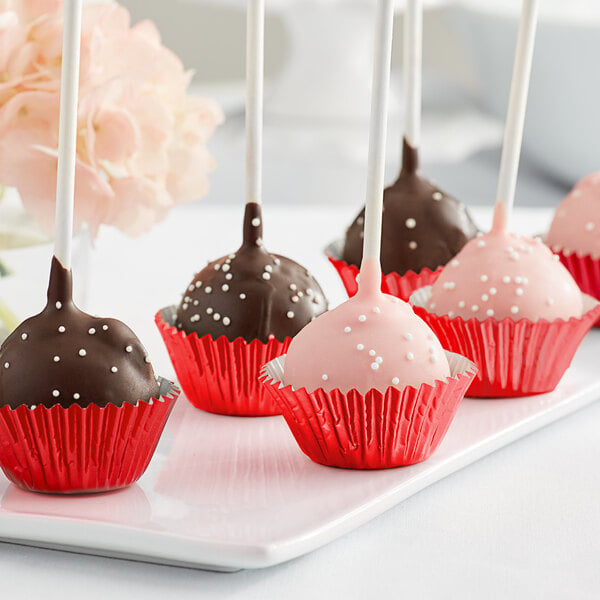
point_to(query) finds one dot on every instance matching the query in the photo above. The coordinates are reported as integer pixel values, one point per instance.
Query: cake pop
(367, 385)
(79, 390)
(423, 227)
(505, 301)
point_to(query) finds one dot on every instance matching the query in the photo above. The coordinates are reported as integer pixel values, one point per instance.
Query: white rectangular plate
(227, 493)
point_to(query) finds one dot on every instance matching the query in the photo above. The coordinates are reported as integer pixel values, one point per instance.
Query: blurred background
(317, 66)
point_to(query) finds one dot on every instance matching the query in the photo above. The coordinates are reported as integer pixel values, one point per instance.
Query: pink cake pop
(502, 275)
(576, 224)
(372, 341)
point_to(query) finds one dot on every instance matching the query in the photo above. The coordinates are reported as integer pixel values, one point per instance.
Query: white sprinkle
(480, 243)
(454, 262)
(226, 268)
(216, 316)
(91, 331)
(376, 310)
(432, 305)
(229, 276)
(58, 305)
(255, 222)
(589, 226)
(207, 289)
(324, 377)
(113, 369)
(198, 284)
(489, 312)
(226, 321)
(437, 195)
(379, 360)
(514, 256)
(412, 245)
(61, 329)
(374, 366)
(24, 336)
(242, 296)
(450, 313)
(506, 279)
(128, 348)
(484, 278)
(493, 291)
(485, 297)
(519, 291)
(276, 261)
(550, 301)
(293, 287)
(217, 267)
(185, 307)
(290, 314)
(462, 304)
(232, 256)
(372, 353)
(410, 223)
(395, 381)
(433, 359)
(76, 396)
(555, 257)
(269, 268)
(295, 298)
(147, 359)
(82, 352)
(195, 318)
(225, 287)
(360, 346)
(210, 310)
(362, 318)
(300, 294)
(266, 276)
(347, 329)
(56, 359)
(408, 336)
(449, 285)
(104, 327)
(475, 308)
(518, 279)
(191, 288)
(55, 393)
(6, 365)
(410, 356)
(514, 310)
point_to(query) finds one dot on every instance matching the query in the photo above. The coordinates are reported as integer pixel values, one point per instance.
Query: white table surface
(522, 523)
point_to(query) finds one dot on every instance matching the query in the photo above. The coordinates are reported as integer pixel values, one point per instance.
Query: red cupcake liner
(374, 430)
(220, 376)
(401, 286)
(514, 358)
(79, 450)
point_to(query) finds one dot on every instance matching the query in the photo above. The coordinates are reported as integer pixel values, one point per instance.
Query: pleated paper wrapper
(220, 376)
(79, 450)
(376, 430)
(514, 358)
(401, 286)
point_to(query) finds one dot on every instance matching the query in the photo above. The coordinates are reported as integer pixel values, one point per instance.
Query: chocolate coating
(65, 356)
(251, 293)
(422, 226)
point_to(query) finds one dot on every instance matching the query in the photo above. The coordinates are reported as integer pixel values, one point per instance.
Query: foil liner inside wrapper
(515, 358)
(372, 431)
(79, 450)
(217, 375)
(401, 286)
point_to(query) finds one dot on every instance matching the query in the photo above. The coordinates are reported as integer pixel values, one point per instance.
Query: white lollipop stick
(377, 137)
(413, 60)
(254, 98)
(67, 135)
(515, 118)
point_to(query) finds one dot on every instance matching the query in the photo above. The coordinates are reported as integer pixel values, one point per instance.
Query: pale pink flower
(141, 145)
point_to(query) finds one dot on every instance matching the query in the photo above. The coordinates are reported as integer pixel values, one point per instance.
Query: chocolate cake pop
(64, 356)
(372, 341)
(576, 224)
(422, 227)
(251, 293)
(504, 275)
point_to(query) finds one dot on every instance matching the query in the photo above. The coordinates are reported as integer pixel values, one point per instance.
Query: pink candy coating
(504, 275)
(576, 224)
(370, 341)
